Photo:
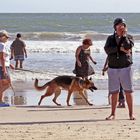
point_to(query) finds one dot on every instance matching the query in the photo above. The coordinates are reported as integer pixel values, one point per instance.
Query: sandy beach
(28, 121)
(67, 123)
(52, 39)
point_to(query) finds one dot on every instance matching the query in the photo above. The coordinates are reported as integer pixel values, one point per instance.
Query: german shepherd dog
(69, 83)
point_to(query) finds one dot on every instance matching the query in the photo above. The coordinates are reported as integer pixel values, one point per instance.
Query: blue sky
(70, 6)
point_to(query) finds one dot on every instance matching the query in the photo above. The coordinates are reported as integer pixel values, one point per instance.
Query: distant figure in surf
(18, 51)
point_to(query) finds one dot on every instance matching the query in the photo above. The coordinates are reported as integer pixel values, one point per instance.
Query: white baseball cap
(4, 33)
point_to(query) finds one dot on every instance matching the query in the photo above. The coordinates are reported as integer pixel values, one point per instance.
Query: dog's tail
(40, 87)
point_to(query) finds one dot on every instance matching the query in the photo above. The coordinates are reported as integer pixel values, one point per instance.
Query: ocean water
(66, 22)
(52, 39)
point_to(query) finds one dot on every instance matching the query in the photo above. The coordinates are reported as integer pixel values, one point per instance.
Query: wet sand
(26, 94)
(26, 120)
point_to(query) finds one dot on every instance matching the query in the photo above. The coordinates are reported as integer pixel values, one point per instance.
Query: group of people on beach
(118, 48)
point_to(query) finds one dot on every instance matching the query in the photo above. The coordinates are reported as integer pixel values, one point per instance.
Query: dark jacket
(117, 58)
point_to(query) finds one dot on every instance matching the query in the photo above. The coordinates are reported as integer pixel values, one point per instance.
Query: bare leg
(2, 89)
(1, 95)
(129, 100)
(16, 66)
(21, 64)
(109, 99)
(114, 100)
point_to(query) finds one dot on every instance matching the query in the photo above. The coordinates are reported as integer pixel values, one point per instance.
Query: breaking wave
(61, 36)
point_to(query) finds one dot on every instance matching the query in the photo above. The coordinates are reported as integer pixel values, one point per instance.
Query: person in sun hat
(4, 64)
(118, 48)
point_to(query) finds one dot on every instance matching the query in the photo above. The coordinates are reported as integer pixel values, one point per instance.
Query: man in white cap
(4, 64)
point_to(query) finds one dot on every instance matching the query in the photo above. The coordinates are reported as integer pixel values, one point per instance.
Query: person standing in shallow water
(119, 50)
(83, 55)
(4, 64)
(18, 51)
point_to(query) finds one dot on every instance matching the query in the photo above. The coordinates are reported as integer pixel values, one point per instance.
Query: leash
(12, 89)
(27, 70)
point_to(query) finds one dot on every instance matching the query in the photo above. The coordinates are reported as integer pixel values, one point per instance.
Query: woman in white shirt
(4, 64)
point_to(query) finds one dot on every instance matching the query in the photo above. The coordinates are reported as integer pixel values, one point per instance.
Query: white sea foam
(61, 46)
(67, 46)
(61, 36)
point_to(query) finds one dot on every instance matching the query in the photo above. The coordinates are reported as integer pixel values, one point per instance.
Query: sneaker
(2, 104)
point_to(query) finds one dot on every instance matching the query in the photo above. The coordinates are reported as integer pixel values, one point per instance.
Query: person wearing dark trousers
(121, 98)
(121, 93)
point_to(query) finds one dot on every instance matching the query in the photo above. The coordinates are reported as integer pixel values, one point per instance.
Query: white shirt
(4, 48)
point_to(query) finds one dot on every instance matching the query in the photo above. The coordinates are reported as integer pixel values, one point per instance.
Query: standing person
(18, 51)
(83, 55)
(82, 67)
(119, 50)
(4, 64)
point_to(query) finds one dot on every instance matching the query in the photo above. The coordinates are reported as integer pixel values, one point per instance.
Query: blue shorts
(2, 75)
(19, 57)
(121, 76)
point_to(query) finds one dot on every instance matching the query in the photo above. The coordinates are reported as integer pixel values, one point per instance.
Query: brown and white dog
(69, 83)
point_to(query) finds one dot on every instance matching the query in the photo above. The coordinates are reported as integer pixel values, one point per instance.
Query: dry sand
(67, 123)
